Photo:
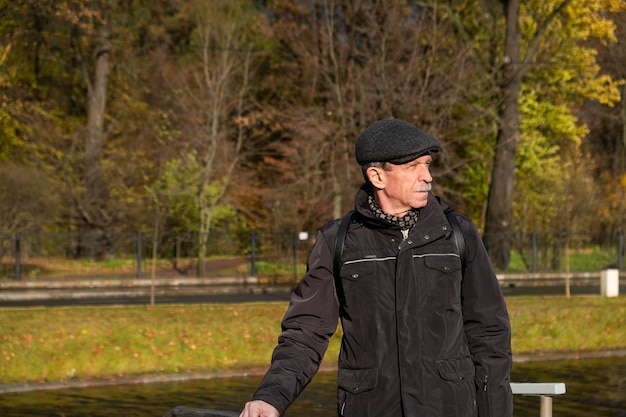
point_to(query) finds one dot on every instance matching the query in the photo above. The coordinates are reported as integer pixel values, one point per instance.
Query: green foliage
(563, 73)
(314, 83)
(175, 194)
(27, 199)
(539, 165)
(564, 70)
(10, 137)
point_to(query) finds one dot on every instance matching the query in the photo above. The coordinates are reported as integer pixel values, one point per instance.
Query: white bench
(544, 390)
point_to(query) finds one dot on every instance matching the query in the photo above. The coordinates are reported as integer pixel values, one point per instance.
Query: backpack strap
(458, 237)
(339, 245)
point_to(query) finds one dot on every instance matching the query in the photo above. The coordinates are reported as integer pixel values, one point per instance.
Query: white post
(609, 283)
(545, 408)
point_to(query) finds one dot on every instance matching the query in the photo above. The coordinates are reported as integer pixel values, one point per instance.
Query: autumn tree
(192, 115)
(48, 68)
(345, 64)
(93, 60)
(551, 31)
(211, 94)
(605, 145)
(82, 76)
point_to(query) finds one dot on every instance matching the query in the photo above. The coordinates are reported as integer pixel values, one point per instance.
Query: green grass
(557, 324)
(51, 344)
(588, 258)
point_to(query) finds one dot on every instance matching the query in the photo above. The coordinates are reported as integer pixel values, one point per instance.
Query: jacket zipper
(405, 234)
(486, 397)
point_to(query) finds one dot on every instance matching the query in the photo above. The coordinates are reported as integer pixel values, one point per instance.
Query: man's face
(404, 187)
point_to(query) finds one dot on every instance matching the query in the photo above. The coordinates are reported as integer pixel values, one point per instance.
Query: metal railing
(275, 257)
(545, 392)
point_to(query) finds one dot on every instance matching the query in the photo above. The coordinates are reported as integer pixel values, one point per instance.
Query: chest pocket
(443, 274)
(446, 264)
(358, 270)
(359, 282)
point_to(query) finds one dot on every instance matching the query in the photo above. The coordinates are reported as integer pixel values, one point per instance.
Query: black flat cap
(395, 141)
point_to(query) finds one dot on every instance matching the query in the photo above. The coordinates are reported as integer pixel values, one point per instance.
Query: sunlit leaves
(565, 67)
(10, 138)
(176, 193)
(563, 73)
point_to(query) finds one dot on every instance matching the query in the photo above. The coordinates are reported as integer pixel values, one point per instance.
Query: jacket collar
(432, 222)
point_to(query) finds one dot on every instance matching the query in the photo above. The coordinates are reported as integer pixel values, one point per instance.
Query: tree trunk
(93, 215)
(623, 117)
(499, 216)
(95, 126)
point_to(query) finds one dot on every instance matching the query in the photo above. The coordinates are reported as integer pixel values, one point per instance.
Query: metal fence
(272, 257)
(558, 252)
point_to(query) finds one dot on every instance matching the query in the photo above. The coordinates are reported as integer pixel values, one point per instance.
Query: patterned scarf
(406, 222)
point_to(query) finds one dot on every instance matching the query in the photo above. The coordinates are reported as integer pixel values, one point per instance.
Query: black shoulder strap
(339, 244)
(458, 237)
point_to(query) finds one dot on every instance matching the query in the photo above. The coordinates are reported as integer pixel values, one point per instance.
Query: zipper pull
(485, 384)
(405, 234)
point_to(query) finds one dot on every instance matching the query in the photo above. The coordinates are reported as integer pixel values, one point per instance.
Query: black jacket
(419, 338)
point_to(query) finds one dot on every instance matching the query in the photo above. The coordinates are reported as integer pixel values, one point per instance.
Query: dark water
(595, 387)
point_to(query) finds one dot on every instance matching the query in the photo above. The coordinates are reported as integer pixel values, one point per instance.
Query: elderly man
(424, 334)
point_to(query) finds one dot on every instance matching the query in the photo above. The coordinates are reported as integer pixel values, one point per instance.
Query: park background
(162, 138)
(188, 121)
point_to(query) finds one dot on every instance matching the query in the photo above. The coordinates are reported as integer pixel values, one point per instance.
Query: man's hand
(258, 408)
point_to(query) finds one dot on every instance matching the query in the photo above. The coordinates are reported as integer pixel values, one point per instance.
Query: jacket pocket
(461, 369)
(350, 383)
(357, 270)
(356, 381)
(444, 279)
(445, 264)
(355, 280)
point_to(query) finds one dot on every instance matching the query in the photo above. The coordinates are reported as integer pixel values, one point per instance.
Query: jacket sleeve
(308, 324)
(487, 328)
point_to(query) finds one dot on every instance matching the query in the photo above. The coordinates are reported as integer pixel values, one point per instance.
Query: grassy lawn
(51, 344)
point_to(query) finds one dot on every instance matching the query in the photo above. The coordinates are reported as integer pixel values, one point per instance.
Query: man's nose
(424, 175)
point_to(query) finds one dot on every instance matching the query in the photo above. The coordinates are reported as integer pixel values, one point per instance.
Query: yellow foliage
(565, 70)
(4, 52)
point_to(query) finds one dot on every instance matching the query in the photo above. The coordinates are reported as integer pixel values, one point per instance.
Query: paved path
(221, 294)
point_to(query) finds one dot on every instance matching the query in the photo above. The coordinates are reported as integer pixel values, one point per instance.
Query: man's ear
(376, 175)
